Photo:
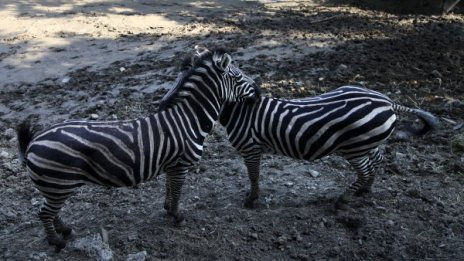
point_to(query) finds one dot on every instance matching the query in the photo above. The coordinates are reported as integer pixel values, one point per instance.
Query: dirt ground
(85, 59)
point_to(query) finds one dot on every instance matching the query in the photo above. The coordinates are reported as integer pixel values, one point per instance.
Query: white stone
(94, 247)
(342, 67)
(10, 133)
(4, 154)
(94, 116)
(66, 79)
(140, 256)
(314, 173)
(289, 184)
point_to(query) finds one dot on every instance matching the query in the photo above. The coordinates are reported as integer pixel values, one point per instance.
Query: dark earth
(296, 49)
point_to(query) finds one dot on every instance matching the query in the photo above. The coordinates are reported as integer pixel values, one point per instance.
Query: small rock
(140, 256)
(314, 173)
(132, 237)
(390, 223)
(281, 241)
(93, 246)
(436, 73)
(8, 214)
(66, 79)
(289, 184)
(122, 69)
(38, 256)
(4, 154)
(414, 193)
(10, 133)
(200, 205)
(400, 156)
(297, 236)
(104, 235)
(457, 143)
(36, 201)
(99, 104)
(342, 67)
(254, 236)
(94, 116)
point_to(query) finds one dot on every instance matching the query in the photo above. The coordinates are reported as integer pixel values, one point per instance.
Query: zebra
(349, 120)
(125, 153)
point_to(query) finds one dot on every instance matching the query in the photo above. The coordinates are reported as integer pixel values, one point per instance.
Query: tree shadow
(296, 51)
(412, 7)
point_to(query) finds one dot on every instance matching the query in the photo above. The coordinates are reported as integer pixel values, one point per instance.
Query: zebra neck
(198, 118)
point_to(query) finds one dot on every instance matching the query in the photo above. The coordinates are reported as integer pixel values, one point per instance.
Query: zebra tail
(25, 134)
(430, 122)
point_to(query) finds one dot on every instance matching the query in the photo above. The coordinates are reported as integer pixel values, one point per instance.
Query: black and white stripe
(350, 120)
(126, 153)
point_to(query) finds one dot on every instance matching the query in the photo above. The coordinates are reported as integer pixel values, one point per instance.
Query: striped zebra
(125, 153)
(352, 121)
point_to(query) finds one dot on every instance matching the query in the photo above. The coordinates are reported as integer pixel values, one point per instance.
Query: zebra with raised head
(350, 120)
(125, 153)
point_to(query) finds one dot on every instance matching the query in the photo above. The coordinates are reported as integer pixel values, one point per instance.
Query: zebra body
(126, 153)
(350, 120)
(114, 154)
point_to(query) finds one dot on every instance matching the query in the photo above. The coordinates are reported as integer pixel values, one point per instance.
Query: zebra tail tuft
(430, 123)
(25, 134)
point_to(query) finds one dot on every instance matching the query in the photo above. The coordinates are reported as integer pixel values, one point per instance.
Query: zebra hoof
(58, 243)
(249, 204)
(362, 192)
(67, 233)
(59, 247)
(179, 218)
(250, 200)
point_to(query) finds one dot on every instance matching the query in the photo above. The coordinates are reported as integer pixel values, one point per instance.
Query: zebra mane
(188, 66)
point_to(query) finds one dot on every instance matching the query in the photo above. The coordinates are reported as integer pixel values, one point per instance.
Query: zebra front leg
(252, 163)
(176, 180)
(365, 177)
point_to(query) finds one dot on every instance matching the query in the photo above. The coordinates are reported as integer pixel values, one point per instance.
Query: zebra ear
(200, 50)
(222, 61)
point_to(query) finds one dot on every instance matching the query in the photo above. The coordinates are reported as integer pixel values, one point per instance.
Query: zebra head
(236, 85)
(213, 74)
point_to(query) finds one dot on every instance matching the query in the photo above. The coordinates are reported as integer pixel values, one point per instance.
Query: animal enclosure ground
(115, 60)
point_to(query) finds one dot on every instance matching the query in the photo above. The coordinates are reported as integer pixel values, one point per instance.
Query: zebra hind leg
(52, 223)
(365, 177)
(252, 163)
(167, 199)
(176, 180)
(376, 157)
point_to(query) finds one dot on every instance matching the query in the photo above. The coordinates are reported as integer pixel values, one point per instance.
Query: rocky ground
(115, 59)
